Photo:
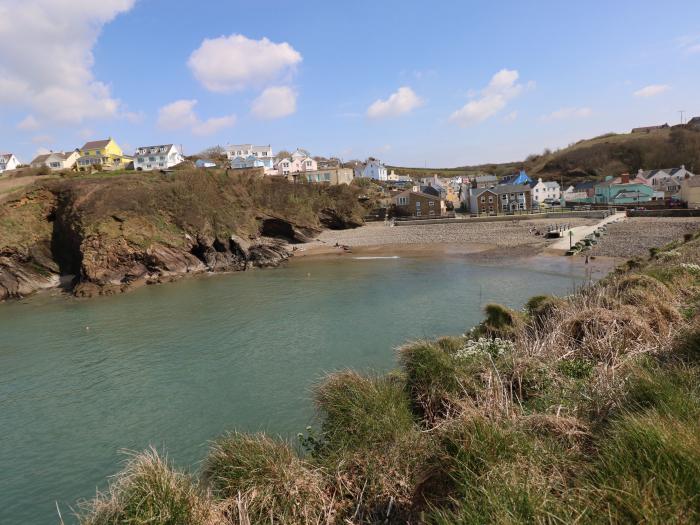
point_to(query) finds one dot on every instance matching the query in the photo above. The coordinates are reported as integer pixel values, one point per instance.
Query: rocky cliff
(108, 233)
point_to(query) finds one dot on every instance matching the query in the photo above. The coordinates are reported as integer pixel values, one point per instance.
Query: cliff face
(113, 232)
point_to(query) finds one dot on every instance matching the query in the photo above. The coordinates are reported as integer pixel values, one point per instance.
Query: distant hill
(591, 159)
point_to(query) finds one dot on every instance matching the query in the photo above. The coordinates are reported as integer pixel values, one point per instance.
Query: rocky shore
(634, 236)
(109, 234)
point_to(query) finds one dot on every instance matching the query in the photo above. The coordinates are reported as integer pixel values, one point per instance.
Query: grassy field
(578, 409)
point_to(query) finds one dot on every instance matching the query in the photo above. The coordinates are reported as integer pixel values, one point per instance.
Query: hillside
(592, 159)
(114, 231)
(582, 409)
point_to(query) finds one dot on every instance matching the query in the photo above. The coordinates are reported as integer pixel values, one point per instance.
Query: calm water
(177, 365)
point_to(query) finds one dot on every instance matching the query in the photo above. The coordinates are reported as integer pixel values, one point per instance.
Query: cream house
(56, 160)
(690, 192)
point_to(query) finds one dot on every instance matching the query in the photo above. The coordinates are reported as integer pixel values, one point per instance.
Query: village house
(649, 129)
(622, 191)
(548, 192)
(331, 176)
(371, 169)
(250, 156)
(581, 192)
(694, 123)
(147, 158)
(416, 204)
(690, 192)
(102, 154)
(484, 181)
(516, 179)
(204, 163)
(56, 160)
(666, 180)
(299, 162)
(504, 198)
(8, 161)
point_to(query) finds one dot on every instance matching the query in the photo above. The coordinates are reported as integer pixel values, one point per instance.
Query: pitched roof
(96, 144)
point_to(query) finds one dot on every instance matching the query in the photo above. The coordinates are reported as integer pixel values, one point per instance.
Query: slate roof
(96, 144)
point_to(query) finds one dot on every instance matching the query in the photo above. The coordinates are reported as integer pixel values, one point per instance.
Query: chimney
(682, 166)
(474, 183)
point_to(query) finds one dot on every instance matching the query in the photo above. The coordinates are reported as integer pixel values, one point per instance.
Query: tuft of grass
(360, 412)
(267, 479)
(500, 322)
(148, 491)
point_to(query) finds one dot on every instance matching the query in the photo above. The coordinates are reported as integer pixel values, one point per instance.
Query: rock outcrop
(105, 236)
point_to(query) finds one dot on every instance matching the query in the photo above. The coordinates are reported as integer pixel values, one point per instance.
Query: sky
(437, 84)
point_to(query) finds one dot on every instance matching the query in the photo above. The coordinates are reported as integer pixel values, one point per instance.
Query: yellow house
(104, 153)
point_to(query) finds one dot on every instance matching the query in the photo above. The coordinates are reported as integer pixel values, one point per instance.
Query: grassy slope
(595, 158)
(147, 208)
(581, 408)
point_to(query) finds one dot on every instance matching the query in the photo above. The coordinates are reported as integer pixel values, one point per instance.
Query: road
(581, 232)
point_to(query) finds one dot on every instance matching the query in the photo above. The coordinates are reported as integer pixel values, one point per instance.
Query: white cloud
(28, 123)
(568, 113)
(42, 139)
(214, 125)
(180, 115)
(275, 102)
(232, 63)
(494, 97)
(652, 90)
(403, 101)
(689, 43)
(46, 57)
(511, 117)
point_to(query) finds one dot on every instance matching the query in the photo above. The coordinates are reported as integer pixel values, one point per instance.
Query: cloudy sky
(442, 83)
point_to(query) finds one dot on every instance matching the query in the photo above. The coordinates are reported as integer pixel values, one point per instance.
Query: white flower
(484, 346)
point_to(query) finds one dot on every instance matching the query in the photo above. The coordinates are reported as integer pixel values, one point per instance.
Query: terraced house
(148, 158)
(102, 154)
(250, 156)
(504, 198)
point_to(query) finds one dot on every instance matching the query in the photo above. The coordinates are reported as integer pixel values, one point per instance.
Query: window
(490, 199)
(152, 159)
(161, 164)
(327, 177)
(418, 204)
(483, 199)
(162, 157)
(417, 213)
(431, 204)
(403, 201)
(431, 212)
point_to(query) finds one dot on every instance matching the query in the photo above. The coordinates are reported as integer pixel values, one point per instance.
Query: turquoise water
(176, 365)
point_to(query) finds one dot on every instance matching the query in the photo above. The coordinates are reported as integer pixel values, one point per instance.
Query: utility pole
(682, 112)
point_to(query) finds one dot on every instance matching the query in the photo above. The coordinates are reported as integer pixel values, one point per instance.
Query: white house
(666, 180)
(56, 160)
(372, 169)
(549, 191)
(300, 161)
(147, 158)
(8, 161)
(250, 161)
(262, 154)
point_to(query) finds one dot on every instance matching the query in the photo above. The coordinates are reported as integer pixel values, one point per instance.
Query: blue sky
(414, 83)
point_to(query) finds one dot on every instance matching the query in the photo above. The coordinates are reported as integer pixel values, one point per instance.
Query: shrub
(267, 477)
(542, 307)
(149, 491)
